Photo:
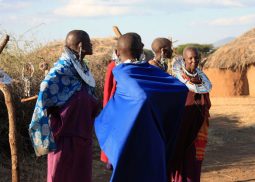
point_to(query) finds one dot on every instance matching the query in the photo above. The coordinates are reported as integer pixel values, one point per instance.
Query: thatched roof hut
(232, 67)
(234, 55)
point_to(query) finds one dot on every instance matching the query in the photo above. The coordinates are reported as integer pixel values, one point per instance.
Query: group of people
(153, 126)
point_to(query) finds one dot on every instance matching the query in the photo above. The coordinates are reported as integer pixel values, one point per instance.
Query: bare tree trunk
(3, 43)
(12, 131)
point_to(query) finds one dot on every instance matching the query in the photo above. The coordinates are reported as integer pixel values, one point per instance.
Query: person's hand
(196, 80)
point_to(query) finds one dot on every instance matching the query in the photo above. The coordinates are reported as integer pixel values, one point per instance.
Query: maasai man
(162, 49)
(63, 117)
(138, 126)
(192, 140)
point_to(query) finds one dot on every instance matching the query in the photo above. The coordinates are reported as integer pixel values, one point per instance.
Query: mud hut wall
(227, 83)
(251, 79)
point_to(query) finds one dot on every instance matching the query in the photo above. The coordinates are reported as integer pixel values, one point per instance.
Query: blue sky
(200, 21)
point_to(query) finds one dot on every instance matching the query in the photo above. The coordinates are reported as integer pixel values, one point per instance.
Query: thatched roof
(237, 54)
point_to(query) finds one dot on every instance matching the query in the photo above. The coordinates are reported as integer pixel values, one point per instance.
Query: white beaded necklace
(188, 73)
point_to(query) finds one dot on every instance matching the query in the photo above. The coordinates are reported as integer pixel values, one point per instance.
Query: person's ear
(80, 51)
(80, 46)
(117, 52)
(162, 52)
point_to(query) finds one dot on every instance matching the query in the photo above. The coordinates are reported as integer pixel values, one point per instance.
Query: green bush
(204, 49)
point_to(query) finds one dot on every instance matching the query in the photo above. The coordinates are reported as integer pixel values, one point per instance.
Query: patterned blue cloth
(59, 85)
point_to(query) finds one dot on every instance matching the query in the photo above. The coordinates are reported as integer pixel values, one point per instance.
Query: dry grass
(237, 54)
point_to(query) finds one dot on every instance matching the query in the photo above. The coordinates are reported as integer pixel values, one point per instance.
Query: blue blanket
(138, 127)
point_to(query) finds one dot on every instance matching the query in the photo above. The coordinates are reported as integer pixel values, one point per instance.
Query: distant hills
(223, 41)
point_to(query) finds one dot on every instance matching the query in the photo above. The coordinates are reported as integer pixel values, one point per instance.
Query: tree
(204, 49)
(148, 54)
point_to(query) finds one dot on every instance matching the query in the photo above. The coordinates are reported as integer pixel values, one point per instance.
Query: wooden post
(116, 31)
(29, 99)
(12, 122)
(12, 131)
(4, 42)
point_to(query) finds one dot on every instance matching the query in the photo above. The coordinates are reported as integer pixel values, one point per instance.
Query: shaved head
(191, 58)
(189, 49)
(162, 47)
(74, 37)
(130, 46)
(129, 41)
(79, 42)
(160, 43)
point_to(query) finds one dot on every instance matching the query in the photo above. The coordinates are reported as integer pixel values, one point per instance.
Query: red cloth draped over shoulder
(109, 89)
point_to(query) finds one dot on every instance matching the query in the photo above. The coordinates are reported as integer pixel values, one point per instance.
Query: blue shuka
(63, 80)
(138, 126)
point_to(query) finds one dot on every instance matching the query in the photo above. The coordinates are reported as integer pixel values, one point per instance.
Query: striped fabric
(201, 140)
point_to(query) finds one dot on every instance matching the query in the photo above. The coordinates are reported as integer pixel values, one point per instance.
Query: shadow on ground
(229, 144)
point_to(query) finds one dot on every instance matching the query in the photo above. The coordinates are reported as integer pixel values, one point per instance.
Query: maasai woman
(194, 130)
(63, 118)
(162, 49)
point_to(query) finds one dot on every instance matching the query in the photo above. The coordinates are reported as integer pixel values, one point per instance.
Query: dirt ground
(230, 154)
